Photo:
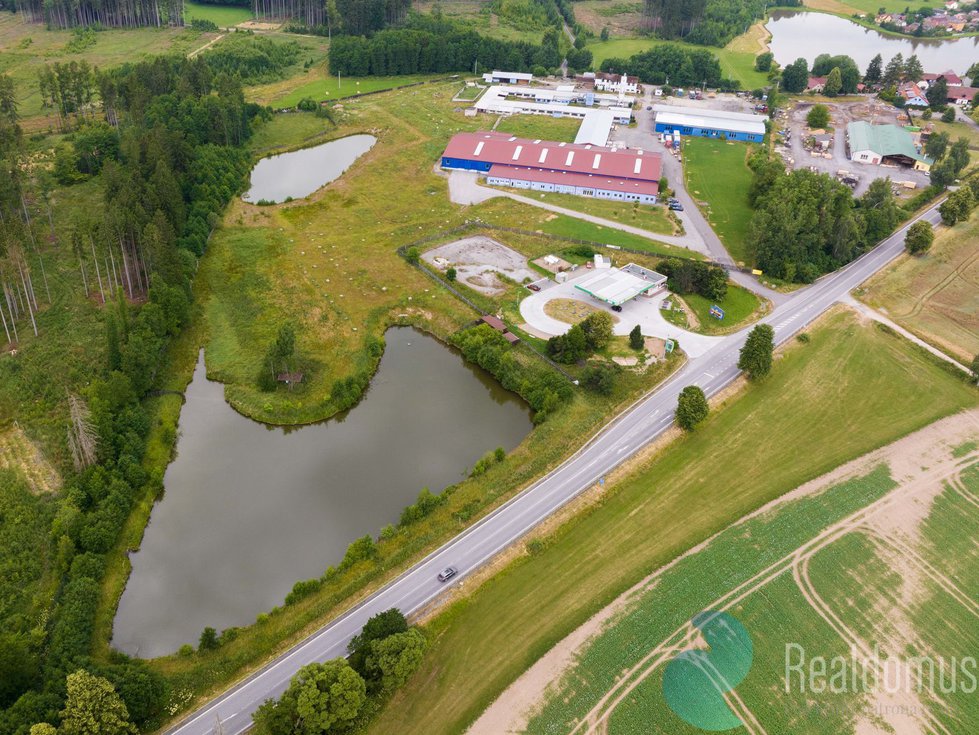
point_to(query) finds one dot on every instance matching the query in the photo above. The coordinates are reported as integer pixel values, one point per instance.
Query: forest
(431, 45)
(704, 22)
(328, 17)
(109, 14)
(675, 65)
(166, 146)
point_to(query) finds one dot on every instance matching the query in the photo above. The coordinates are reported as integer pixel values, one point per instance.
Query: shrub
(636, 340)
(600, 377)
(208, 640)
(818, 116)
(949, 115)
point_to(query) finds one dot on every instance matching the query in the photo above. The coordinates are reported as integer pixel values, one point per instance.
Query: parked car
(676, 206)
(673, 200)
(616, 307)
(446, 574)
(533, 287)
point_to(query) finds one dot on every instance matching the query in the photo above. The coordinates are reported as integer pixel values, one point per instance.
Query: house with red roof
(567, 168)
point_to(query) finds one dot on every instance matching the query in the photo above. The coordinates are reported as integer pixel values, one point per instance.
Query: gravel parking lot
(478, 260)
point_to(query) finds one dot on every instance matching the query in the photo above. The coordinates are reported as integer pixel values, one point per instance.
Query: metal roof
(613, 286)
(884, 140)
(735, 122)
(595, 128)
(548, 155)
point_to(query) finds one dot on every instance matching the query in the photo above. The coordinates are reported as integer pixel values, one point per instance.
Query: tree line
(704, 22)
(167, 151)
(431, 45)
(107, 13)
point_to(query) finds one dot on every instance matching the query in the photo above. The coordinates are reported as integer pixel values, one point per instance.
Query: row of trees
(434, 46)
(110, 13)
(705, 22)
(694, 276)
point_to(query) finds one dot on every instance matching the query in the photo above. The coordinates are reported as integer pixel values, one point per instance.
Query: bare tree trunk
(125, 269)
(97, 273)
(29, 310)
(4, 319)
(115, 278)
(81, 265)
(11, 308)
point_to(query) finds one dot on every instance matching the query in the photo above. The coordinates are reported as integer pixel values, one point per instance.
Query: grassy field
(735, 64)
(868, 7)
(478, 15)
(224, 16)
(540, 127)
(740, 306)
(25, 48)
(716, 172)
(934, 295)
(652, 218)
(840, 387)
(317, 84)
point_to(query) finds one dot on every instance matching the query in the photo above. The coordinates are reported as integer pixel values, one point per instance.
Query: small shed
(494, 322)
(289, 378)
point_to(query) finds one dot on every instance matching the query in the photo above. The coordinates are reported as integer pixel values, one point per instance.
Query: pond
(298, 174)
(250, 509)
(796, 33)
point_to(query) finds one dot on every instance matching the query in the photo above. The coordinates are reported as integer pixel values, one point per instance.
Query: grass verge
(540, 127)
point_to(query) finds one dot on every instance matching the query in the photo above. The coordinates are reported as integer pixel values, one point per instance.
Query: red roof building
(961, 95)
(951, 78)
(586, 170)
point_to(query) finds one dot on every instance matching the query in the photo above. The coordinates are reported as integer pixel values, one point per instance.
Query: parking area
(644, 311)
(796, 149)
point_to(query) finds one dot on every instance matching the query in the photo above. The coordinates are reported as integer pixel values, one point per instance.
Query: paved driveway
(642, 311)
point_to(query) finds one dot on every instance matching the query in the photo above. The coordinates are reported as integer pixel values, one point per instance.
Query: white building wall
(576, 190)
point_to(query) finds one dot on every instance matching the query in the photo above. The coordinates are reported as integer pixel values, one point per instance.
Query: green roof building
(884, 144)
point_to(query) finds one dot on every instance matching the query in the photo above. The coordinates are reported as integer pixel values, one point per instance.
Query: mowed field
(827, 402)
(851, 561)
(717, 173)
(935, 295)
(540, 127)
(224, 16)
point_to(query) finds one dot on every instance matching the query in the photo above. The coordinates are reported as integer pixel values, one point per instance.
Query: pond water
(250, 509)
(299, 173)
(796, 34)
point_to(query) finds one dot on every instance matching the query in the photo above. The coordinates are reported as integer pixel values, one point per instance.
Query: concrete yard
(642, 311)
(479, 260)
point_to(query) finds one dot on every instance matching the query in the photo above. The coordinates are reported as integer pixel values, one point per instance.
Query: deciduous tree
(92, 706)
(919, 237)
(818, 116)
(394, 658)
(691, 408)
(756, 353)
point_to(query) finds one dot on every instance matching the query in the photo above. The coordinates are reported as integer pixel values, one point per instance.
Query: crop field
(848, 566)
(659, 508)
(716, 172)
(25, 48)
(934, 295)
(540, 127)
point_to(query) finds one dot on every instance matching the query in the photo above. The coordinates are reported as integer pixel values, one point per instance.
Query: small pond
(250, 509)
(798, 33)
(298, 174)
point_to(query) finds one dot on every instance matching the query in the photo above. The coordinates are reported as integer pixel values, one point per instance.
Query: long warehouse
(568, 168)
(706, 123)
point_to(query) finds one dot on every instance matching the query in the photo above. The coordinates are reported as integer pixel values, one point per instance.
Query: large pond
(796, 34)
(249, 509)
(299, 173)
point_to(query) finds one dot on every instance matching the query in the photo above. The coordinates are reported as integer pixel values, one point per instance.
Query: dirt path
(206, 46)
(918, 462)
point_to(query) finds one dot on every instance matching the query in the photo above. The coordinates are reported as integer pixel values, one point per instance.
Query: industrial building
(566, 168)
(704, 122)
(615, 286)
(876, 144)
(507, 77)
(597, 111)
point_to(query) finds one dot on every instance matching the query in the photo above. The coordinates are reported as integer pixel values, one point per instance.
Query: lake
(298, 174)
(249, 509)
(796, 34)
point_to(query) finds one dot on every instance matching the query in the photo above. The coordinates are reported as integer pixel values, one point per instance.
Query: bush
(636, 340)
(206, 26)
(818, 117)
(600, 377)
(949, 115)
(450, 274)
(208, 640)
(425, 504)
(412, 255)
(308, 104)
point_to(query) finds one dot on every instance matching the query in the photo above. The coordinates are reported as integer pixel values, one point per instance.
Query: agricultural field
(25, 48)
(717, 174)
(934, 295)
(224, 16)
(540, 127)
(841, 386)
(843, 565)
(735, 64)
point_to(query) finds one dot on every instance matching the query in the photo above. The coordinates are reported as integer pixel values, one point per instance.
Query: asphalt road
(230, 713)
